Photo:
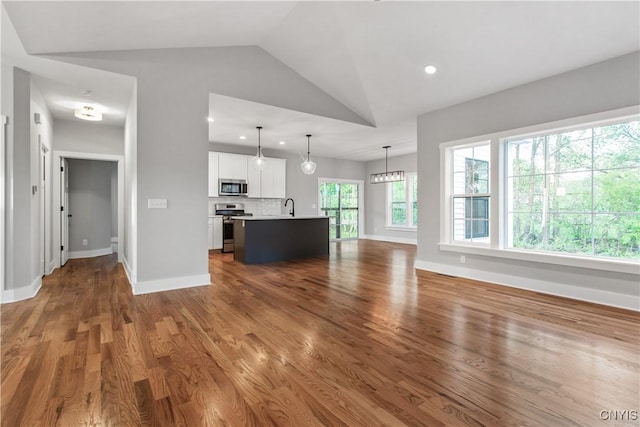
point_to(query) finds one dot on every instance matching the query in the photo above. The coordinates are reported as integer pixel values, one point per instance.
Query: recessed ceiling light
(210, 119)
(281, 142)
(243, 137)
(430, 69)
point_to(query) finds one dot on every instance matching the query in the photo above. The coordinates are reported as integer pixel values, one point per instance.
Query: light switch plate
(157, 203)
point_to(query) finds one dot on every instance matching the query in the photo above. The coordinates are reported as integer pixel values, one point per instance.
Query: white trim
(129, 272)
(3, 143)
(173, 283)
(411, 229)
(630, 302)
(25, 292)
(606, 264)
(390, 239)
(51, 267)
(90, 254)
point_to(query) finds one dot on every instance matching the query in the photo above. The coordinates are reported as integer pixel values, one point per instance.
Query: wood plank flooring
(358, 339)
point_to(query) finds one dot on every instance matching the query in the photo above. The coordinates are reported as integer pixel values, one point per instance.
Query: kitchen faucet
(293, 206)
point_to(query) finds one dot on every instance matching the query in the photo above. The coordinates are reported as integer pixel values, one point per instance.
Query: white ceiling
(367, 55)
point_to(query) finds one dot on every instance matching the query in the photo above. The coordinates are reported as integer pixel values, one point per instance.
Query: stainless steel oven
(229, 210)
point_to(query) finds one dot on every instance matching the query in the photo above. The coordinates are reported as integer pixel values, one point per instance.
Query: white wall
(600, 87)
(376, 199)
(88, 137)
(90, 206)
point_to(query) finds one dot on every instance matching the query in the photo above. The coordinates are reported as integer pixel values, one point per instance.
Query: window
(576, 191)
(403, 202)
(340, 202)
(562, 193)
(470, 193)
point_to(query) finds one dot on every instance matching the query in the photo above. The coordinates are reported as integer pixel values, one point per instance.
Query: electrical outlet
(85, 242)
(463, 259)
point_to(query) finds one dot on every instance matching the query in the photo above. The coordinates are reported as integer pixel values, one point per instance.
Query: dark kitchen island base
(267, 239)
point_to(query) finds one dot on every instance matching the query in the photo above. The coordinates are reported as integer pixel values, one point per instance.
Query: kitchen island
(260, 239)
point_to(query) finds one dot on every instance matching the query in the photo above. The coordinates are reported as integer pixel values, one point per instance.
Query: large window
(576, 191)
(556, 193)
(402, 203)
(470, 193)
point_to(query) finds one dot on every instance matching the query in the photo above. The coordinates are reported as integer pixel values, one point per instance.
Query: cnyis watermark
(619, 415)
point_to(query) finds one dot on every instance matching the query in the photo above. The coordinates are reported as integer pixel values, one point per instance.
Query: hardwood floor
(359, 339)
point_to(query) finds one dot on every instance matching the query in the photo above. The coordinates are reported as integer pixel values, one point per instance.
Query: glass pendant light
(259, 160)
(308, 166)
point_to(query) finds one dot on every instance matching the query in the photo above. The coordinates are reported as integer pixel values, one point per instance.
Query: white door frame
(57, 156)
(2, 200)
(360, 199)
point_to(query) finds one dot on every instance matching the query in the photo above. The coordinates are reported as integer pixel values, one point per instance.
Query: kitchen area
(239, 193)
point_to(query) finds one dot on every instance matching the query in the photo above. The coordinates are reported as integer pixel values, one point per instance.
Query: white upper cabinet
(213, 174)
(274, 179)
(232, 166)
(253, 179)
(268, 183)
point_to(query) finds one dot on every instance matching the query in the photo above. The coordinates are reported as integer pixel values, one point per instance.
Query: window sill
(400, 228)
(606, 264)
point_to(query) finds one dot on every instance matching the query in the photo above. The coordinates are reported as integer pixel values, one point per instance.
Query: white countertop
(272, 217)
(215, 216)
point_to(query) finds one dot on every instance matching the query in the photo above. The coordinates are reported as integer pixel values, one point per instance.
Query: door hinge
(62, 248)
(61, 169)
(61, 208)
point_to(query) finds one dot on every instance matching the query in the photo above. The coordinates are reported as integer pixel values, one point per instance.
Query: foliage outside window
(470, 193)
(576, 191)
(339, 201)
(403, 205)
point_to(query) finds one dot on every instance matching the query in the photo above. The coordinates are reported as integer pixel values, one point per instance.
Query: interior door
(64, 211)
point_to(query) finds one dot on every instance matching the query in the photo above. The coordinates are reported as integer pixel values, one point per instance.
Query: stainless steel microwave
(232, 187)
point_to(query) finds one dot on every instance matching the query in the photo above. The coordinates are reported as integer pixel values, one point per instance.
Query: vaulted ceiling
(369, 56)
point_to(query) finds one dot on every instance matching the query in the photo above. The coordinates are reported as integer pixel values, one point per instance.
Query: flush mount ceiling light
(430, 69)
(259, 160)
(386, 176)
(87, 112)
(308, 166)
(210, 119)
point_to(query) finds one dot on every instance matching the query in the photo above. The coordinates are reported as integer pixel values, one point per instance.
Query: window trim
(409, 203)
(497, 218)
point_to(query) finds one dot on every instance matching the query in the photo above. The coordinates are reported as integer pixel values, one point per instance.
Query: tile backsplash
(254, 206)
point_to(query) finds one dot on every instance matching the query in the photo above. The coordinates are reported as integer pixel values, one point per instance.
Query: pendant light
(259, 160)
(308, 167)
(386, 176)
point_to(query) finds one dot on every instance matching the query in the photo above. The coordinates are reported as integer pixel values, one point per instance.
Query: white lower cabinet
(215, 233)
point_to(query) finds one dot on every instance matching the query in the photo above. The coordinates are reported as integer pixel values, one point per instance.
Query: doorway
(60, 181)
(341, 201)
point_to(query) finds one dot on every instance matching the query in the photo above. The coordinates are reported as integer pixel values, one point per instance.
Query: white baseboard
(630, 302)
(171, 284)
(90, 254)
(390, 239)
(19, 294)
(131, 275)
(51, 268)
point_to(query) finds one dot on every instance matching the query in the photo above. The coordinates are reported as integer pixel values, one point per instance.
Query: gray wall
(376, 198)
(600, 87)
(303, 189)
(85, 137)
(90, 204)
(173, 87)
(20, 252)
